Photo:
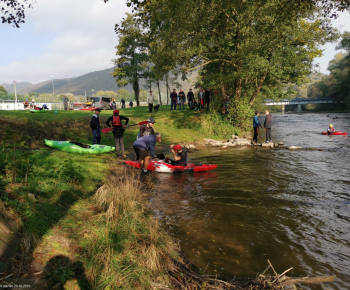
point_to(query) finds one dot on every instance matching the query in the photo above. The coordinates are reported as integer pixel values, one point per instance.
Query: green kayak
(38, 111)
(76, 147)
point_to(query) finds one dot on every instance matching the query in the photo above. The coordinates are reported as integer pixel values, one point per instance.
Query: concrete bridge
(298, 102)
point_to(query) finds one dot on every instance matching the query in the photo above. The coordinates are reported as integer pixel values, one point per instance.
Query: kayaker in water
(118, 131)
(256, 126)
(144, 147)
(267, 125)
(331, 129)
(180, 157)
(95, 127)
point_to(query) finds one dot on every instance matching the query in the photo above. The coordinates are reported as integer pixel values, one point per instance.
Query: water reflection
(290, 207)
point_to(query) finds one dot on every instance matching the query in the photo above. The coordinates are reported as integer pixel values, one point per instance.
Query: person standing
(114, 105)
(144, 147)
(95, 127)
(182, 99)
(65, 102)
(201, 94)
(207, 98)
(256, 126)
(26, 104)
(173, 98)
(123, 103)
(131, 104)
(150, 101)
(190, 98)
(146, 129)
(267, 126)
(118, 131)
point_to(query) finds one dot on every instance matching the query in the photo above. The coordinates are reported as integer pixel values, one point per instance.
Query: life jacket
(116, 121)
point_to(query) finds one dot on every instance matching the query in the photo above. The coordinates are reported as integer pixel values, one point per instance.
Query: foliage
(3, 93)
(132, 55)
(108, 94)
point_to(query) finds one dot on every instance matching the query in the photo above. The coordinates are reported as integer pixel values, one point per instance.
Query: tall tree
(132, 55)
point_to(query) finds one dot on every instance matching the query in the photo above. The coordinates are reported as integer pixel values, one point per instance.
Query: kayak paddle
(105, 130)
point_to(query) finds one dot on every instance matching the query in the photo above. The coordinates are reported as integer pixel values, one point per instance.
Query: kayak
(161, 166)
(38, 111)
(76, 147)
(88, 109)
(335, 133)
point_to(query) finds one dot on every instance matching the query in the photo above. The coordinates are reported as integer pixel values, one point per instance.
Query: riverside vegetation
(82, 221)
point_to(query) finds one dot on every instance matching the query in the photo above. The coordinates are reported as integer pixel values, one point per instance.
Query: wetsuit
(118, 131)
(181, 162)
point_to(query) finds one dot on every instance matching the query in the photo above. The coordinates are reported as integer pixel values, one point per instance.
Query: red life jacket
(116, 121)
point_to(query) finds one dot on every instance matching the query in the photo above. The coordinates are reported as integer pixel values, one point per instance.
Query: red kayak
(335, 133)
(88, 109)
(161, 166)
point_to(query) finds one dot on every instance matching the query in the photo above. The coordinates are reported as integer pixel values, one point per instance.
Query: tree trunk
(167, 88)
(136, 89)
(238, 89)
(160, 96)
(224, 97)
(257, 89)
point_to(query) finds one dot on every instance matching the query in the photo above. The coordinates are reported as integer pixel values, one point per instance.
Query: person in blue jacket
(144, 147)
(95, 127)
(256, 126)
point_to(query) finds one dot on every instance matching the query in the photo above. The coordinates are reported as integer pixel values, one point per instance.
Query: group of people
(203, 99)
(32, 105)
(144, 146)
(267, 126)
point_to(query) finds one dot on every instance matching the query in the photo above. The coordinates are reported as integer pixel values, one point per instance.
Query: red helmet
(177, 147)
(115, 111)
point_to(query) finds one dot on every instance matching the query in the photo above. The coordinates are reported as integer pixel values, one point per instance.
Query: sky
(65, 38)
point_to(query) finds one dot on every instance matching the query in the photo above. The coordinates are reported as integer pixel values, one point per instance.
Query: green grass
(114, 241)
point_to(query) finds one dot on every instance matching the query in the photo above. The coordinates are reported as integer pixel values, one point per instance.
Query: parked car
(99, 102)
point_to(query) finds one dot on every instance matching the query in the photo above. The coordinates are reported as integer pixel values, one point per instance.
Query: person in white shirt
(150, 101)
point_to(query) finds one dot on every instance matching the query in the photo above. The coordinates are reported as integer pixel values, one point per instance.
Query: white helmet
(33, 100)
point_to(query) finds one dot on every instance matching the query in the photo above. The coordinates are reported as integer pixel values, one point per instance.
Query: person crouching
(118, 131)
(144, 147)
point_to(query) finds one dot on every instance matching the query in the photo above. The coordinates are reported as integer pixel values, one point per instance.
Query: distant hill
(98, 81)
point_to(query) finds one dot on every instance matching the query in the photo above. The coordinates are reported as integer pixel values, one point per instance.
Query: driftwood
(182, 277)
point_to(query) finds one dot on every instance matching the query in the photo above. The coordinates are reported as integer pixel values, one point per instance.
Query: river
(291, 207)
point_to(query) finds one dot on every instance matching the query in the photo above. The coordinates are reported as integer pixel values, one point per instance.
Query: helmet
(33, 100)
(330, 125)
(177, 147)
(151, 120)
(115, 111)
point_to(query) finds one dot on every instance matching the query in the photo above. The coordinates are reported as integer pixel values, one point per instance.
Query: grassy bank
(84, 218)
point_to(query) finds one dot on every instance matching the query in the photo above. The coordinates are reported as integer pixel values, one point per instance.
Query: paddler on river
(331, 129)
(180, 157)
(118, 131)
(144, 147)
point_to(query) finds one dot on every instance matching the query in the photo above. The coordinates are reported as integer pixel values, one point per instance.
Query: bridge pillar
(298, 108)
(283, 108)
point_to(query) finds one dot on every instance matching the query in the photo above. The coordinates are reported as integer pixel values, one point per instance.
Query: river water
(291, 207)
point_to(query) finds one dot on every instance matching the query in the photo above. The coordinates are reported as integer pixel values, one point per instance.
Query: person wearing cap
(180, 157)
(95, 127)
(118, 131)
(190, 98)
(146, 129)
(331, 129)
(150, 101)
(256, 126)
(144, 147)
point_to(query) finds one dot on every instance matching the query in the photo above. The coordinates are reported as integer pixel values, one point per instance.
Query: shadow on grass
(40, 216)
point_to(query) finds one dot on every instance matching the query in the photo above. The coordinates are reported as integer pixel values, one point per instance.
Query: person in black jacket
(267, 126)
(118, 131)
(190, 98)
(207, 98)
(95, 127)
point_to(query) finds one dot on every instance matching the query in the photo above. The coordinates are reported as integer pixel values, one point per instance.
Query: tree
(132, 52)
(3, 93)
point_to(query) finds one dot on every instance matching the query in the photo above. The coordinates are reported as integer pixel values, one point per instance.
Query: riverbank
(83, 220)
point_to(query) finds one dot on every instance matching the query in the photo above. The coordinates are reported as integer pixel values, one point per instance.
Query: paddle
(105, 130)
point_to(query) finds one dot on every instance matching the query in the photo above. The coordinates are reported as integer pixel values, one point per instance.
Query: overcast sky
(65, 38)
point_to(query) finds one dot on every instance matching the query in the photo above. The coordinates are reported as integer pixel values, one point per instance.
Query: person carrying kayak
(331, 129)
(95, 127)
(118, 131)
(180, 157)
(256, 126)
(144, 147)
